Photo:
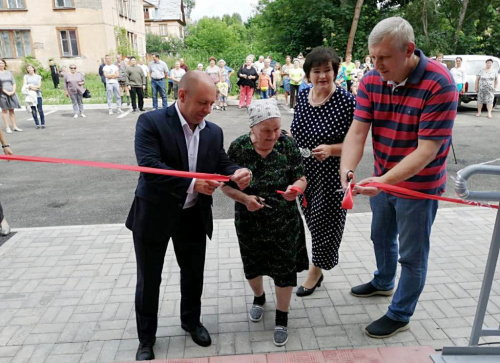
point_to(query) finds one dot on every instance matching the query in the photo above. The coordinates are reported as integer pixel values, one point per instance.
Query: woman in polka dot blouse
(322, 117)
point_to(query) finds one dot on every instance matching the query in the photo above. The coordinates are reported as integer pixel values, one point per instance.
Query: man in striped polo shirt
(410, 103)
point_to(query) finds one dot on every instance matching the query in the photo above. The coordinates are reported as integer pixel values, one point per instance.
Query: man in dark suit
(179, 208)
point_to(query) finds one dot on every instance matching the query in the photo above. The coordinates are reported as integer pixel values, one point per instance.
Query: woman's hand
(252, 204)
(321, 152)
(7, 151)
(290, 194)
(67, 94)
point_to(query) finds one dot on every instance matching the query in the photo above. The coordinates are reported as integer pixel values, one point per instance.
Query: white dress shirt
(192, 144)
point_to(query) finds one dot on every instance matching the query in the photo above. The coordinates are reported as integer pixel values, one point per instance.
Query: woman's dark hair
(32, 66)
(320, 56)
(489, 60)
(459, 58)
(212, 58)
(4, 62)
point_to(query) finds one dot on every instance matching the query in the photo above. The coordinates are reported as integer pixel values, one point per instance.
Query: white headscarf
(262, 110)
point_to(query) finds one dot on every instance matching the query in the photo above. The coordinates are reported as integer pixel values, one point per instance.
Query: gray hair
(396, 28)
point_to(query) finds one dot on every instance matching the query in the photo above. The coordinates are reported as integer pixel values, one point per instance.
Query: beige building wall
(93, 20)
(167, 29)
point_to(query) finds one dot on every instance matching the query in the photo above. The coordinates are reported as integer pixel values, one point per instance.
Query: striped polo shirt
(422, 107)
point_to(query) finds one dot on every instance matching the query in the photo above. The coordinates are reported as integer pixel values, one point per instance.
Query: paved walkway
(66, 295)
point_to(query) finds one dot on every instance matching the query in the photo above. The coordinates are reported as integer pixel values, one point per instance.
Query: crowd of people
(335, 105)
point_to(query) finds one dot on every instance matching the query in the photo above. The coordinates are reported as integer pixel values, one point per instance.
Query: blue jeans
(412, 220)
(264, 94)
(40, 111)
(159, 86)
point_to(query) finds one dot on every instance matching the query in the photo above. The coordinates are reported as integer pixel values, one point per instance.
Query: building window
(146, 13)
(15, 43)
(148, 29)
(163, 29)
(12, 5)
(69, 42)
(64, 4)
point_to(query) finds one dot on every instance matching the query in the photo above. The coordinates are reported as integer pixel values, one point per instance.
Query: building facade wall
(93, 22)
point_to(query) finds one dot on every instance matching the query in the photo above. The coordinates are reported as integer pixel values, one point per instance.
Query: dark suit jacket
(160, 143)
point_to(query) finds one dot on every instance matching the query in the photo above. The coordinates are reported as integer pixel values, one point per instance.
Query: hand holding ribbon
(291, 193)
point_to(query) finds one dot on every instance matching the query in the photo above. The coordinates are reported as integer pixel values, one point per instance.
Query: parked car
(473, 64)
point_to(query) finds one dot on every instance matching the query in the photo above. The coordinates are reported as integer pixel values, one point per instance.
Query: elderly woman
(486, 83)
(322, 117)
(269, 227)
(33, 82)
(247, 77)
(8, 97)
(459, 74)
(73, 87)
(214, 72)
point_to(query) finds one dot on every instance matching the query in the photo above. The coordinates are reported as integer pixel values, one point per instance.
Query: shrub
(29, 60)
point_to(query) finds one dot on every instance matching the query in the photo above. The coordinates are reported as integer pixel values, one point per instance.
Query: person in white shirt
(459, 74)
(145, 69)
(112, 73)
(259, 64)
(158, 70)
(175, 75)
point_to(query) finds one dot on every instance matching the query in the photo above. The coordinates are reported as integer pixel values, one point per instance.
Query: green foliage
(30, 60)
(123, 45)
(158, 44)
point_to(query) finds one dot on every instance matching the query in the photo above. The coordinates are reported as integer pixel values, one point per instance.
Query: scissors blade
(262, 203)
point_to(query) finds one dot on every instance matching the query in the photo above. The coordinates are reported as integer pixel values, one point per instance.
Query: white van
(473, 64)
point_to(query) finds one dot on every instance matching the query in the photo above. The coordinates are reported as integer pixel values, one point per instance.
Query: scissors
(262, 203)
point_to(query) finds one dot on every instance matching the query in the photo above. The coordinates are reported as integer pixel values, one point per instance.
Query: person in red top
(410, 103)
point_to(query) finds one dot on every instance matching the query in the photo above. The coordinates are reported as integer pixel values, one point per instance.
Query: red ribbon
(408, 192)
(298, 190)
(96, 164)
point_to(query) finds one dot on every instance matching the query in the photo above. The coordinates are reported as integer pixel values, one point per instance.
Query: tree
(188, 7)
(354, 26)
(460, 21)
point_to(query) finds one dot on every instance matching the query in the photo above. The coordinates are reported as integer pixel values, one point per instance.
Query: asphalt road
(34, 194)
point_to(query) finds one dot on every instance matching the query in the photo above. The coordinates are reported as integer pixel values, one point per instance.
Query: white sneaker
(110, 111)
(4, 228)
(83, 115)
(8, 130)
(76, 115)
(17, 129)
(119, 110)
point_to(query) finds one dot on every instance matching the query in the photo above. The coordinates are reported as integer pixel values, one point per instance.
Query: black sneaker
(367, 290)
(385, 327)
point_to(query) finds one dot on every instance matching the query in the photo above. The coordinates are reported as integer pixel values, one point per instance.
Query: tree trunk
(424, 19)
(354, 26)
(465, 3)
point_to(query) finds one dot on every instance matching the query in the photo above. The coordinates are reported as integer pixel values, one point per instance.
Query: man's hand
(290, 194)
(7, 151)
(345, 176)
(369, 191)
(321, 152)
(252, 204)
(242, 177)
(206, 186)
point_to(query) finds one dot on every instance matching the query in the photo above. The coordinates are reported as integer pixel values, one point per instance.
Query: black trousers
(1, 213)
(140, 95)
(294, 92)
(189, 245)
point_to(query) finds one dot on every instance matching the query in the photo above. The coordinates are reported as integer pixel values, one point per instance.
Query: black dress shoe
(304, 291)
(145, 351)
(199, 334)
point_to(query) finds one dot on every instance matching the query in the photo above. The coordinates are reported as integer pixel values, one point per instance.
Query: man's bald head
(194, 79)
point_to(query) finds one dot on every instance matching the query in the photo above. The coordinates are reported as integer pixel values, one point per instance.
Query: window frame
(55, 7)
(5, 6)
(13, 42)
(59, 40)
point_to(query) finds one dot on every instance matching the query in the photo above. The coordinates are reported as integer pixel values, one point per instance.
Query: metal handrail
(466, 173)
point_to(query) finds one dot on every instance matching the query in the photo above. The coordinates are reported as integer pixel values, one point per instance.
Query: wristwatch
(4, 146)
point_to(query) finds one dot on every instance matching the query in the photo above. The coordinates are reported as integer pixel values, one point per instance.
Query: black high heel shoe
(304, 291)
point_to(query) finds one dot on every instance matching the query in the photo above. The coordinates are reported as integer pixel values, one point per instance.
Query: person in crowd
(167, 207)
(8, 98)
(247, 78)
(101, 73)
(277, 82)
(223, 88)
(62, 72)
(410, 144)
(348, 66)
(176, 74)
(73, 87)
(4, 226)
(214, 72)
(270, 72)
(341, 79)
(301, 59)
(170, 87)
(183, 64)
(357, 68)
(158, 70)
(486, 83)
(355, 84)
(272, 240)
(322, 117)
(54, 73)
(33, 82)
(285, 75)
(459, 74)
(439, 59)
(259, 64)
(122, 64)
(145, 69)
(136, 83)
(200, 67)
(367, 66)
(264, 84)
(230, 71)
(112, 74)
(296, 77)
